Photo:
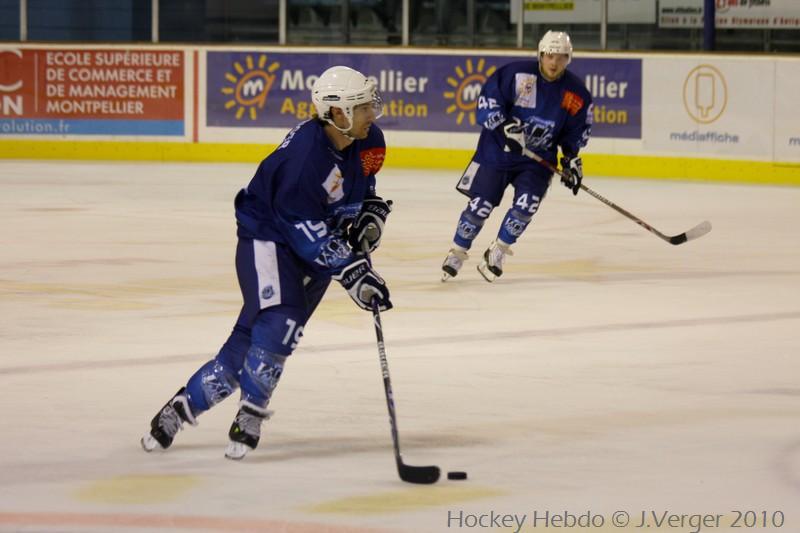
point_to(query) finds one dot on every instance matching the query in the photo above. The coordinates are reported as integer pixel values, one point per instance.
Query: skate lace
(455, 259)
(170, 421)
(497, 255)
(249, 424)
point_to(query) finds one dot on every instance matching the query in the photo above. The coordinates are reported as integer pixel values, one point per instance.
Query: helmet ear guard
(556, 42)
(346, 89)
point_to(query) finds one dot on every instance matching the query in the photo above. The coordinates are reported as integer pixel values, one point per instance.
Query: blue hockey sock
(513, 226)
(211, 384)
(260, 375)
(218, 378)
(468, 228)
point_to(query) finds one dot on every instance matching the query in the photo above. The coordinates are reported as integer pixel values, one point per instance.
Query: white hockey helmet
(556, 42)
(344, 88)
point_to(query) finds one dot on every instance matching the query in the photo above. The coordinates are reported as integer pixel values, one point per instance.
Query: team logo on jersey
(372, 160)
(267, 293)
(705, 94)
(334, 185)
(467, 84)
(571, 102)
(249, 85)
(525, 90)
(539, 132)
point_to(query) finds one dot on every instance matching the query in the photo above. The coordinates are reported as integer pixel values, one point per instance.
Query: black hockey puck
(456, 475)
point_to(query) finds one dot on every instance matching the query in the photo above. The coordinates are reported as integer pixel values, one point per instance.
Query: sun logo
(466, 89)
(251, 85)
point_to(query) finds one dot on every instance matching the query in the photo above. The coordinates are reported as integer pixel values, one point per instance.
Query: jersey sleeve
(372, 158)
(494, 102)
(577, 102)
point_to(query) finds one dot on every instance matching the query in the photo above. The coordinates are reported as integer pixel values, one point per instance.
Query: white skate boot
(453, 262)
(491, 266)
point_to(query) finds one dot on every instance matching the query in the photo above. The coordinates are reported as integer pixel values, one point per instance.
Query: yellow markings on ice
(132, 295)
(404, 500)
(137, 489)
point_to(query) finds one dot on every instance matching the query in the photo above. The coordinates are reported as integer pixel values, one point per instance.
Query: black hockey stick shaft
(412, 474)
(697, 231)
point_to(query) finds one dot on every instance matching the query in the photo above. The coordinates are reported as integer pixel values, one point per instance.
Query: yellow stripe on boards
(629, 166)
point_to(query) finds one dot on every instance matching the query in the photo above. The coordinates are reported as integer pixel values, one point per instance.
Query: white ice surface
(606, 370)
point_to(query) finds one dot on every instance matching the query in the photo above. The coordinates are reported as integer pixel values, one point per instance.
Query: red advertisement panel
(112, 91)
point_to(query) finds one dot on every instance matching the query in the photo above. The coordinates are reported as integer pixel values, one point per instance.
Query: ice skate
(491, 266)
(453, 262)
(245, 431)
(168, 421)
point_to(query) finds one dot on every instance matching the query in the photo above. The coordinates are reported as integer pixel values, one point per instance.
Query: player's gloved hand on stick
(362, 283)
(369, 223)
(572, 168)
(514, 131)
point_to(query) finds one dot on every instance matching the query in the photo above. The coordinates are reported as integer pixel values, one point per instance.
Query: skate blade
(149, 443)
(236, 451)
(445, 276)
(487, 274)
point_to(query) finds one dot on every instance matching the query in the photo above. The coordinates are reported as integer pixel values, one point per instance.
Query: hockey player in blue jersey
(539, 105)
(301, 222)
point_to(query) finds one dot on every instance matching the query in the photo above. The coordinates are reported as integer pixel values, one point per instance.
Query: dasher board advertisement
(709, 106)
(585, 11)
(66, 92)
(420, 92)
(753, 14)
(787, 113)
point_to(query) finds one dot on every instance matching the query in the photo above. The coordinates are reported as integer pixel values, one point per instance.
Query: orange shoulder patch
(571, 102)
(372, 160)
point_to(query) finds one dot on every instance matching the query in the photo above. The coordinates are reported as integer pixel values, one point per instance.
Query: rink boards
(706, 117)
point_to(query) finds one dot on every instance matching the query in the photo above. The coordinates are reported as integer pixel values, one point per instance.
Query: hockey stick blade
(422, 475)
(694, 233)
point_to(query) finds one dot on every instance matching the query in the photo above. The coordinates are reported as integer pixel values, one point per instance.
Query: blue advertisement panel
(420, 92)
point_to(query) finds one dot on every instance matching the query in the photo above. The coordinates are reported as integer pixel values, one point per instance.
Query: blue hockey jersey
(557, 113)
(306, 193)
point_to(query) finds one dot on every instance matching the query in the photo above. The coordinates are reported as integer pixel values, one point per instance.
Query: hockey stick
(694, 233)
(411, 474)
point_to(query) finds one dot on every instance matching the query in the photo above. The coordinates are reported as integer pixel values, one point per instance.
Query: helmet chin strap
(345, 132)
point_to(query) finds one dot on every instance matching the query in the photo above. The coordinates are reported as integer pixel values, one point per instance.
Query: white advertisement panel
(778, 14)
(708, 106)
(585, 11)
(787, 112)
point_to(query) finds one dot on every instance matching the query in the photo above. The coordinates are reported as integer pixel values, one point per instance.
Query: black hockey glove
(572, 168)
(514, 131)
(369, 223)
(362, 283)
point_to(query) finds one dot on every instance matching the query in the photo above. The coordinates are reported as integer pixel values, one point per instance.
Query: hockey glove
(363, 284)
(572, 170)
(514, 131)
(369, 223)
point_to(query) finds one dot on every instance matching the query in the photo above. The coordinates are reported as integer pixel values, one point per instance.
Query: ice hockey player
(301, 222)
(536, 104)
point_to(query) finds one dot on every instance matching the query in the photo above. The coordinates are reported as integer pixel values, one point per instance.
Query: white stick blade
(699, 230)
